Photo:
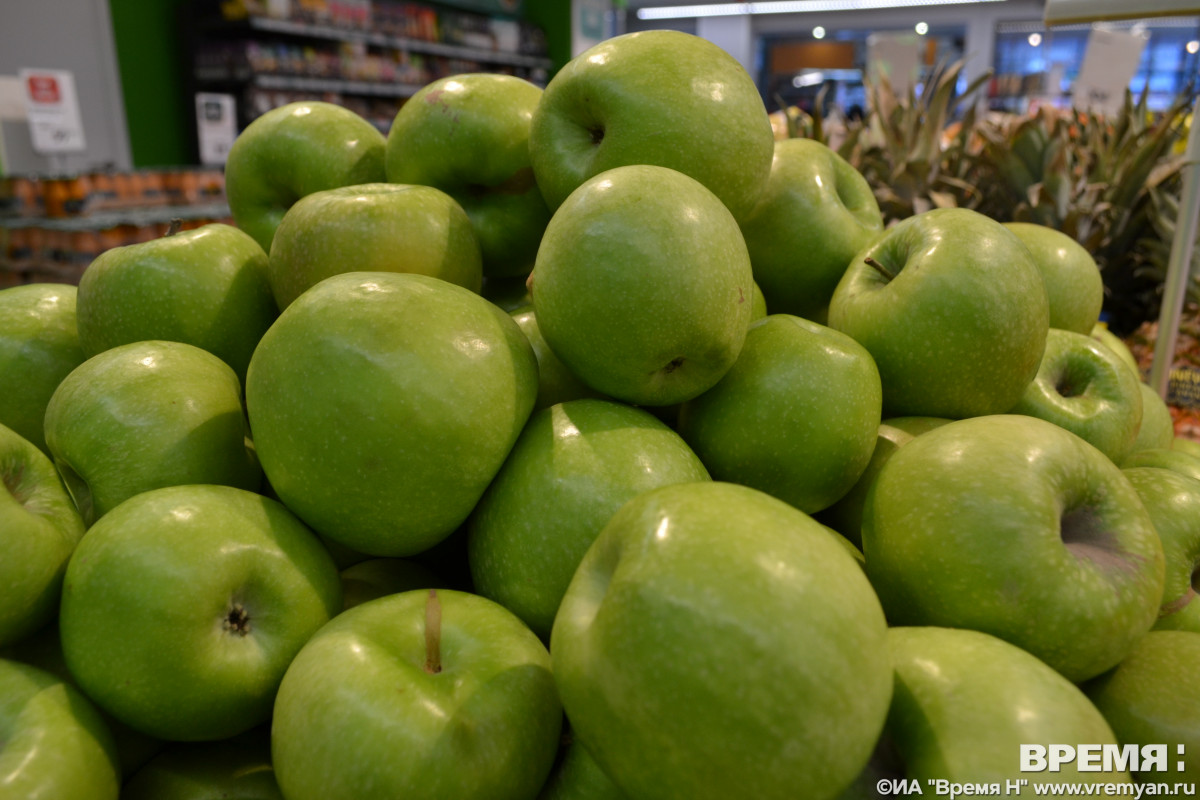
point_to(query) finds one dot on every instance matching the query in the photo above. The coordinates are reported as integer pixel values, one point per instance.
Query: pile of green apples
(471, 465)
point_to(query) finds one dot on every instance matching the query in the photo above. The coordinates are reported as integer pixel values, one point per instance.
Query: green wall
(151, 58)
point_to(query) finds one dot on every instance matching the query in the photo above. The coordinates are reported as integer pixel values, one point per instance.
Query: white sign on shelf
(55, 125)
(1109, 63)
(896, 56)
(216, 126)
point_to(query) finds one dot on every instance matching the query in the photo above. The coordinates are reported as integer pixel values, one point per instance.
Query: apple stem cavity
(880, 268)
(237, 620)
(433, 633)
(175, 225)
(1085, 535)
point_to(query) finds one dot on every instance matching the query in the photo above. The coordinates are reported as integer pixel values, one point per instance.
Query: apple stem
(433, 633)
(880, 268)
(174, 226)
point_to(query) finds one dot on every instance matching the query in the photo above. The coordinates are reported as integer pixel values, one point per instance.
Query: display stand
(1062, 12)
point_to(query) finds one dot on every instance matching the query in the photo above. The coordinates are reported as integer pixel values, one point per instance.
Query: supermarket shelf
(101, 220)
(302, 84)
(411, 45)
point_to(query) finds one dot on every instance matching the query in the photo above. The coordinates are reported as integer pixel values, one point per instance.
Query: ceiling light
(1193, 47)
(818, 32)
(1035, 39)
(921, 28)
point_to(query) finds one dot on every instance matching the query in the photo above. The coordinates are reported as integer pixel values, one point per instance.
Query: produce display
(583, 443)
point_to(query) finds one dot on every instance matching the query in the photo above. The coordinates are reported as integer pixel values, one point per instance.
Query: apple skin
(1074, 287)
(965, 702)
(845, 516)
(1183, 445)
(205, 287)
(556, 382)
(374, 227)
(39, 346)
(383, 404)
(1174, 459)
(55, 744)
(1104, 336)
(44, 651)
(1153, 697)
(204, 663)
(577, 776)
(797, 415)
(146, 415)
(468, 135)
(359, 715)
(960, 330)
(817, 212)
(1015, 527)
(657, 97)
(1082, 386)
(716, 642)
(661, 248)
(1157, 431)
(758, 304)
(232, 768)
(575, 464)
(293, 151)
(1173, 502)
(39, 528)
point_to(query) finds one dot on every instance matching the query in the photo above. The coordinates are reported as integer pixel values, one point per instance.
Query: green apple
(383, 403)
(205, 287)
(39, 528)
(379, 577)
(293, 151)
(845, 516)
(575, 464)
(1104, 336)
(817, 212)
(577, 776)
(656, 97)
(1175, 459)
(1012, 526)
(1153, 698)
(556, 382)
(1183, 445)
(468, 135)
(439, 695)
(44, 651)
(54, 743)
(1073, 283)
(1157, 431)
(966, 703)
(232, 768)
(375, 227)
(797, 415)
(1173, 502)
(715, 642)
(952, 308)
(39, 345)
(145, 415)
(643, 285)
(1082, 386)
(202, 663)
(758, 304)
